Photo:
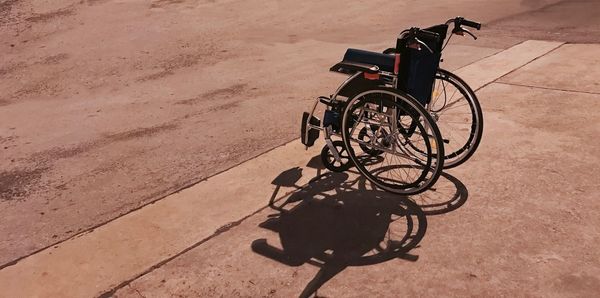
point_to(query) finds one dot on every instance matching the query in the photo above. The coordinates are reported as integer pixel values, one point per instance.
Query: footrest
(309, 135)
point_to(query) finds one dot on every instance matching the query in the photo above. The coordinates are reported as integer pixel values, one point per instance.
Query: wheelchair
(398, 117)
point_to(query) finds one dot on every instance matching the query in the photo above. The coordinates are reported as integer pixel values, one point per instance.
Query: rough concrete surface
(528, 227)
(139, 240)
(107, 106)
(557, 70)
(189, 217)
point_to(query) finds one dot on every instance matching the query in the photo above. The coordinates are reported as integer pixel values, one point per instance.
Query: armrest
(353, 67)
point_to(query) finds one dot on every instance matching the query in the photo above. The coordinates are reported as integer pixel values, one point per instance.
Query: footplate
(309, 135)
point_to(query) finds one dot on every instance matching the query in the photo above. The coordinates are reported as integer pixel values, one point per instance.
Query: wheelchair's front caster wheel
(331, 163)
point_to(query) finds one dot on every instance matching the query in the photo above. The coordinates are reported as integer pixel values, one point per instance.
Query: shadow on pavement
(334, 221)
(448, 194)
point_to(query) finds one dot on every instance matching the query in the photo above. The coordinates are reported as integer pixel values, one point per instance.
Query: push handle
(427, 34)
(414, 35)
(471, 24)
(460, 21)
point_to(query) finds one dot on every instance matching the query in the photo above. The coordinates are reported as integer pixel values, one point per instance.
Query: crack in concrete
(521, 67)
(548, 88)
(225, 228)
(516, 69)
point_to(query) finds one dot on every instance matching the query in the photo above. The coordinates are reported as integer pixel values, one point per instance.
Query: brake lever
(424, 44)
(468, 32)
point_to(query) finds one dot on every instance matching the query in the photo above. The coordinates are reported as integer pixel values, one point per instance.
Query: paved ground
(506, 223)
(106, 106)
(102, 115)
(528, 226)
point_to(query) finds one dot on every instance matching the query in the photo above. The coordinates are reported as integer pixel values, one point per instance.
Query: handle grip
(428, 34)
(471, 24)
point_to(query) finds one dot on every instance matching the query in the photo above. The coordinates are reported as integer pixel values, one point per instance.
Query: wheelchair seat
(385, 62)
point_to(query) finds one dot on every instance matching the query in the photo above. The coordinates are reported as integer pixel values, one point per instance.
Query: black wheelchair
(398, 117)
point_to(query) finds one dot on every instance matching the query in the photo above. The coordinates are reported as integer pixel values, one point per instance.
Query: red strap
(397, 64)
(371, 76)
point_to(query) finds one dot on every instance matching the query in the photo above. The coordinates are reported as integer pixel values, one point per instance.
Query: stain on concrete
(192, 101)
(141, 132)
(5, 10)
(18, 183)
(163, 3)
(6, 70)
(95, 2)
(172, 64)
(228, 92)
(55, 59)
(6, 6)
(63, 152)
(224, 107)
(48, 87)
(47, 157)
(4, 102)
(44, 17)
(156, 76)
(7, 139)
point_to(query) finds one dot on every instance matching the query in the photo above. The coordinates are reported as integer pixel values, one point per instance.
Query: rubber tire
(325, 155)
(413, 103)
(475, 108)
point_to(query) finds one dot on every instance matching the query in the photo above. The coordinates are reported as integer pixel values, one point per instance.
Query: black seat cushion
(385, 62)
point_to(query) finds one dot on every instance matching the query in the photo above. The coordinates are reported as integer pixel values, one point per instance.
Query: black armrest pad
(353, 67)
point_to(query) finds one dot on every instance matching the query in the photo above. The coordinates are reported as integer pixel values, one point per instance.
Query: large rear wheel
(409, 147)
(458, 115)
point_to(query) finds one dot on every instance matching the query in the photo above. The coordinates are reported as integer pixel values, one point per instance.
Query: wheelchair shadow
(448, 194)
(336, 221)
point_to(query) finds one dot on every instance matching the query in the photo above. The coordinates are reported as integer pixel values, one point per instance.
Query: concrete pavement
(107, 106)
(528, 226)
(176, 240)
